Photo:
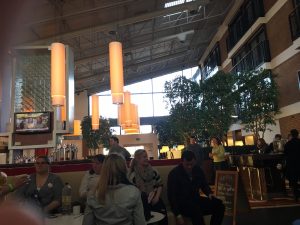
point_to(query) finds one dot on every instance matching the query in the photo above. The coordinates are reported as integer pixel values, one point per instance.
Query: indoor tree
(95, 138)
(217, 103)
(182, 97)
(258, 103)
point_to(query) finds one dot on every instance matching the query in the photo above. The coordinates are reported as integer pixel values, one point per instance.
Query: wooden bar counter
(261, 178)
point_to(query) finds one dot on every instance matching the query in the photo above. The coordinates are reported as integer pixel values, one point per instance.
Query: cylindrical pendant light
(95, 112)
(77, 127)
(127, 108)
(58, 74)
(116, 72)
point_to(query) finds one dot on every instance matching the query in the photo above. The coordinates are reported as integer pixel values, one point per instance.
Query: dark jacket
(292, 154)
(183, 191)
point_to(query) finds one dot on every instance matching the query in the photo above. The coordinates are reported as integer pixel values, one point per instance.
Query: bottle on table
(67, 199)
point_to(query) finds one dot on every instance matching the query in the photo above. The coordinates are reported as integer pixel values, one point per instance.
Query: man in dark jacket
(292, 154)
(184, 184)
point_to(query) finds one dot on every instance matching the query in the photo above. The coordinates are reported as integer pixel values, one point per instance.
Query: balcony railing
(253, 59)
(294, 19)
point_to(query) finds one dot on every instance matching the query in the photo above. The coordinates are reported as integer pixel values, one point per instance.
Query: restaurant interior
(68, 67)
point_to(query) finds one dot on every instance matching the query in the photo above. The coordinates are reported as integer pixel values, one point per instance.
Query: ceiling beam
(124, 22)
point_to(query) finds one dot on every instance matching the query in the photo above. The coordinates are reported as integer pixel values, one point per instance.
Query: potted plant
(95, 139)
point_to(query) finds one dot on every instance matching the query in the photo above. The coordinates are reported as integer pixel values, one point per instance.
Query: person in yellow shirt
(218, 154)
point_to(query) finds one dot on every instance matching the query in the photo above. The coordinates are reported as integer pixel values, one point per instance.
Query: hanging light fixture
(116, 72)
(77, 127)
(58, 74)
(95, 112)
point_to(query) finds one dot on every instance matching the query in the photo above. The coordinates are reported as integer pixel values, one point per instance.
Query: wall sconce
(95, 112)
(58, 74)
(164, 149)
(180, 147)
(116, 72)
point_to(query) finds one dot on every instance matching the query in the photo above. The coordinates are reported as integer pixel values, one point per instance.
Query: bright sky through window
(177, 2)
(149, 103)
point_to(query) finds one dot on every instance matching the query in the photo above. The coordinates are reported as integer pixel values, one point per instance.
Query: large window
(248, 14)
(148, 95)
(253, 54)
(212, 62)
(294, 19)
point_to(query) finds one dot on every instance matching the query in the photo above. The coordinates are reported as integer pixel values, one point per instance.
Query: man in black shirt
(292, 155)
(184, 184)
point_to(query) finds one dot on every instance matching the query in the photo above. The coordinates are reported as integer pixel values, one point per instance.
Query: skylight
(177, 2)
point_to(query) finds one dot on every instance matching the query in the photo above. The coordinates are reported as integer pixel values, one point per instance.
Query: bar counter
(68, 166)
(261, 178)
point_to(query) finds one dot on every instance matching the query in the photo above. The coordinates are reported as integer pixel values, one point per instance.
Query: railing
(294, 19)
(253, 59)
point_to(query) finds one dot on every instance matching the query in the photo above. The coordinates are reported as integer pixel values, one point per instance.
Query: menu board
(226, 186)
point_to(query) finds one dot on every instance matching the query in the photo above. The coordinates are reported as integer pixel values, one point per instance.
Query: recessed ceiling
(156, 40)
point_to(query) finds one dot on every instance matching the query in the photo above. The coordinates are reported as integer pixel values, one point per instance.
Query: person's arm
(138, 211)
(158, 185)
(13, 184)
(88, 218)
(173, 193)
(57, 189)
(203, 183)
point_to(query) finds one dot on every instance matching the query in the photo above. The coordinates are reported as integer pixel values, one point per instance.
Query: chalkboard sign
(226, 186)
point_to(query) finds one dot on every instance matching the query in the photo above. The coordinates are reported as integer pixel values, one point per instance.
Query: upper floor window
(212, 61)
(254, 53)
(294, 19)
(247, 15)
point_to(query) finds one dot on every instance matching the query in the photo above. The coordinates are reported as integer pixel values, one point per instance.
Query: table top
(61, 219)
(156, 216)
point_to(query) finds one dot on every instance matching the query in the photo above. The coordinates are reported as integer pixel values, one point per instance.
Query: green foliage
(94, 138)
(205, 110)
(217, 106)
(258, 103)
(167, 134)
(182, 96)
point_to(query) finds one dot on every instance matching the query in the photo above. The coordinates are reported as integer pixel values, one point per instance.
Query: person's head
(193, 140)
(188, 160)
(97, 162)
(214, 141)
(42, 164)
(13, 213)
(140, 158)
(277, 137)
(113, 172)
(113, 140)
(261, 142)
(294, 133)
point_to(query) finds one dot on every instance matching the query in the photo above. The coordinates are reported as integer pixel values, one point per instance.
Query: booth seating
(75, 172)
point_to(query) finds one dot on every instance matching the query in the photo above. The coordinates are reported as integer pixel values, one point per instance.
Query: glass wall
(148, 95)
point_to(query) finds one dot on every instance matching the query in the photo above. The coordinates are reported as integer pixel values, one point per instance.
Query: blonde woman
(116, 201)
(149, 182)
(218, 154)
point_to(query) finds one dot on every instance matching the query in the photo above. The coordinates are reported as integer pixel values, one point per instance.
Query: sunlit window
(148, 95)
(177, 2)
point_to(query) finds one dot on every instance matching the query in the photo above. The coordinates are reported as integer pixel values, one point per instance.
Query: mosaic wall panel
(32, 83)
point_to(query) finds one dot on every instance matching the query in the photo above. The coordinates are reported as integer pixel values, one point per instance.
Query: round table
(156, 217)
(65, 220)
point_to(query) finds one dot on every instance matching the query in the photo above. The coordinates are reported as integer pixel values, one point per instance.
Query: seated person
(147, 179)
(184, 184)
(11, 184)
(115, 201)
(44, 188)
(91, 177)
